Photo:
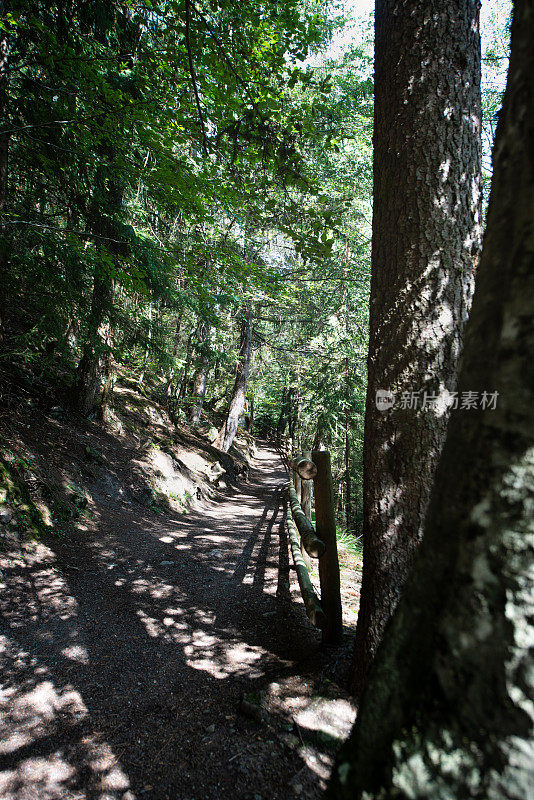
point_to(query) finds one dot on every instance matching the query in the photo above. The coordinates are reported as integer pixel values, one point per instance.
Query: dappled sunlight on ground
(47, 745)
(127, 646)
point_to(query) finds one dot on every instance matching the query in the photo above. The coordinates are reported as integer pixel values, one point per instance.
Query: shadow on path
(125, 651)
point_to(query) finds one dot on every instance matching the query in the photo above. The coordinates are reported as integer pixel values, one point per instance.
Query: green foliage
(496, 21)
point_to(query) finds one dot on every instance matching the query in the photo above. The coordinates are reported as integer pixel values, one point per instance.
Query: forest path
(127, 649)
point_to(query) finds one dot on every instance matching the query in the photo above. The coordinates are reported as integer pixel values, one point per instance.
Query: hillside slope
(56, 466)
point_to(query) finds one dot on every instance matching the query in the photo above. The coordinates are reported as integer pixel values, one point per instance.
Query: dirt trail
(126, 649)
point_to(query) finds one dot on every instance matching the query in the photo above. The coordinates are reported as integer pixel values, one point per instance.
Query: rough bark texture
(237, 403)
(201, 374)
(448, 711)
(426, 239)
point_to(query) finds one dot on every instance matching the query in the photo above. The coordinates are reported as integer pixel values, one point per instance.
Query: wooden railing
(320, 542)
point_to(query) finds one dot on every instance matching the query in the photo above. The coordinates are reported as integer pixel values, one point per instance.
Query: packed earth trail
(166, 658)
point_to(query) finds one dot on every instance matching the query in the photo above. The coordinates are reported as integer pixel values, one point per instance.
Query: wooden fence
(320, 542)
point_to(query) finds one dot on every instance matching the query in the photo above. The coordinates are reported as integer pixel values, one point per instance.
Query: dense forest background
(171, 173)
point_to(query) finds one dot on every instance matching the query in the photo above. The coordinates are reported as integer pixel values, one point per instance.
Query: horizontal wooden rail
(312, 605)
(312, 544)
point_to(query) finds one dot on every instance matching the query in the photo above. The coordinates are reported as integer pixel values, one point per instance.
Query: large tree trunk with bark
(201, 374)
(426, 239)
(237, 403)
(447, 711)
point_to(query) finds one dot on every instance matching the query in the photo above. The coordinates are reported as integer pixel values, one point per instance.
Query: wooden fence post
(305, 502)
(297, 483)
(325, 525)
(306, 492)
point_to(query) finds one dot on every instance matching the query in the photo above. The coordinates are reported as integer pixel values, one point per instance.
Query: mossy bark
(447, 712)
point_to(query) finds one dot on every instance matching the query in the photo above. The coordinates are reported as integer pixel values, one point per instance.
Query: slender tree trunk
(94, 379)
(237, 403)
(306, 505)
(201, 374)
(348, 386)
(281, 425)
(251, 415)
(148, 345)
(176, 342)
(348, 486)
(306, 501)
(447, 712)
(187, 363)
(426, 231)
(292, 413)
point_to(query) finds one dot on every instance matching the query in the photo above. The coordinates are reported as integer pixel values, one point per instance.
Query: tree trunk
(325, 524)
(250, 422)
(306, 501)
(187, 363)
(318, 440)
(185, 372)
(292, 412)
(176, 342)
(287, 412)
(201, 374)
(348, 386)
(447, 712)
(237, 403)
(93, 381)
(148, 345)
(94, 377)
(281, 425)
(426, 232)
(348, 486)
